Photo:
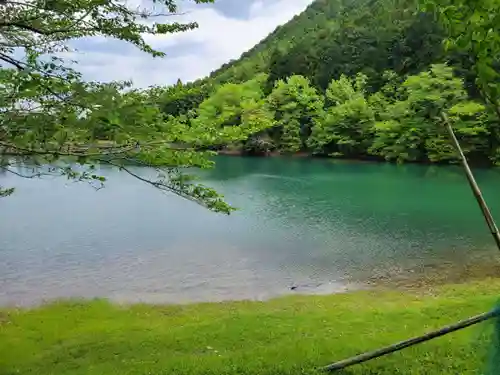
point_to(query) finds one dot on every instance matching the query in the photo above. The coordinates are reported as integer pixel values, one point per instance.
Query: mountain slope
(332, 37)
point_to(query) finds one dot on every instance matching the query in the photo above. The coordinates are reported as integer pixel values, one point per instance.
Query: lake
(321, 225)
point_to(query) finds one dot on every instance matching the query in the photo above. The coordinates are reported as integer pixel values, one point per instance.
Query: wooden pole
(473, 184)
(410, 342)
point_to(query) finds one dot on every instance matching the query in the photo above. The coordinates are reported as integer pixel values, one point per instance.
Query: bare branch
(145, 13)
(157, 184)
(11, 61)
(48, 32)
(109, 150)
(34, 175)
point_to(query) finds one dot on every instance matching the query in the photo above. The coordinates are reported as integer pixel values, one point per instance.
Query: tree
(348, 121)
(410, 126)
(298, 106)
(233, 113)
(180, 99)
(472, 31)
(51, 118)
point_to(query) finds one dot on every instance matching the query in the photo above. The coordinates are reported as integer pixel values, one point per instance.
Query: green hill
(332, 37)
(346, 78)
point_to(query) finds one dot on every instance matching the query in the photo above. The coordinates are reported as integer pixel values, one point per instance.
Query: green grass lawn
(290, 335)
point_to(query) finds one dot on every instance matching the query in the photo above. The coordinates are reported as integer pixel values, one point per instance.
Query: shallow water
(316, 224)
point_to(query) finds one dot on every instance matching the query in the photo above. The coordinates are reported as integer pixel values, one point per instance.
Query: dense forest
(347, 78)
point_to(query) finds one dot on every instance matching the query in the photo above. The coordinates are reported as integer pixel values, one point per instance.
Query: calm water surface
(318, 224)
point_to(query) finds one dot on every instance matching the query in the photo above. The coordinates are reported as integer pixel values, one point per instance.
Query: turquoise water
(323, 225)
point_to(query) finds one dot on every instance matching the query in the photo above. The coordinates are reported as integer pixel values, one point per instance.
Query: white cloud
(195, 53)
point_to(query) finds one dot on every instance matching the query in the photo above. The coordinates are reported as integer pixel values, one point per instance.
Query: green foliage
(472, 27)
(472, 31)
(50, 116)
(346, 126)
(259, 144)
(400, 122)
(298, 107)
(233, 113)
(6, 192)
(180, 99)
(410, 128)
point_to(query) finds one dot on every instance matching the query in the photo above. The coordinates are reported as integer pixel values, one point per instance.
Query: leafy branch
(53, 120)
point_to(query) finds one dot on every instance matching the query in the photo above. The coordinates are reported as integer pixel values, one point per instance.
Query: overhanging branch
(11, 61)
(157, 184)
(34, 175)
(15, 150)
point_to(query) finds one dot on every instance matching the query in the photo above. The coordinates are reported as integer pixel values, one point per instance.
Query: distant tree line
(399, 122)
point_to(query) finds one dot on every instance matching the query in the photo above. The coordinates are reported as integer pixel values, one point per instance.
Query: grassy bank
(285, 336)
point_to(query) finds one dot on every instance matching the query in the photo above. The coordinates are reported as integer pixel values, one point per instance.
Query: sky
(227, 28)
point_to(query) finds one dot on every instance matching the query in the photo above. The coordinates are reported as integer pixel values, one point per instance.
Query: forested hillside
(347, 78)
(332, 37)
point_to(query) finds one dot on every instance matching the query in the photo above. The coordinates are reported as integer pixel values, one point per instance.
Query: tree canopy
(51, 116)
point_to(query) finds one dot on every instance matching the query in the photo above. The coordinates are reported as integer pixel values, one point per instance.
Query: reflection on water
(313, 224)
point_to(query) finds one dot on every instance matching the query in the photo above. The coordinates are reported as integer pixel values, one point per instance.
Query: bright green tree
(348, 121)
(298, 107)
(411, 128)
(233, 113)
(473, 30)
(51, 116)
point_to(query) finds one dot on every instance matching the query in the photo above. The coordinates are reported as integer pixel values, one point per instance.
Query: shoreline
(365, 159)
(431, 276)
(373, 288)
(413, 280)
